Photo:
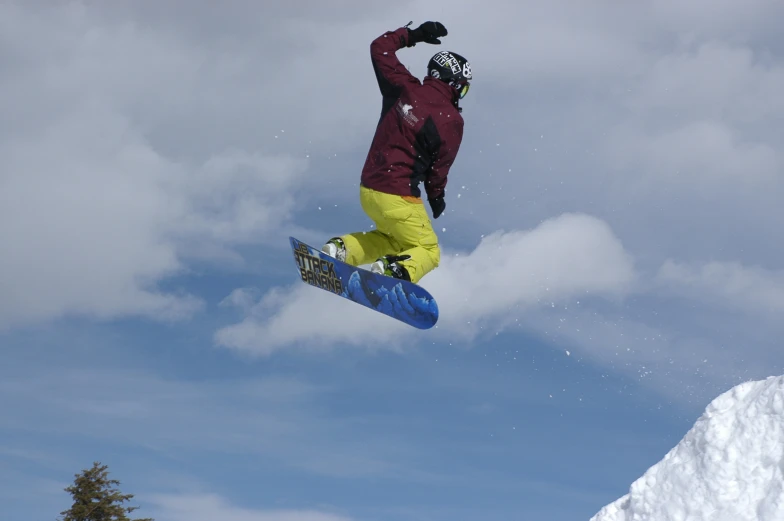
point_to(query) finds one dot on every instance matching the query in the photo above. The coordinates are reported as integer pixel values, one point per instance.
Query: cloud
(698, 122)
(313, 319)
(650, 116)
(563, 258)
(710, 80)
(753, 290)
(278, 419)
(96, 207)
(93, 217)
(682, 361)
(686, 330)
(728, 18)
(568, 257)
(136, 138)
(540, 45)
(211, 507)
(241, 298)
(704, 157)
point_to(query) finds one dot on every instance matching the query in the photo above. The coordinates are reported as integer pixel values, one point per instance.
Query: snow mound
(728, 467)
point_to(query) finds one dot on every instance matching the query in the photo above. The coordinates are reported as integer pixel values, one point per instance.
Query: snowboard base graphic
(399, 299)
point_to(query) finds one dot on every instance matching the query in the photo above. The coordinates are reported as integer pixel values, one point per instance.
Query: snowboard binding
(389, 265)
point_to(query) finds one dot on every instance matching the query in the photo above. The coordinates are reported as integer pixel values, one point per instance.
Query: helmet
(451, 68)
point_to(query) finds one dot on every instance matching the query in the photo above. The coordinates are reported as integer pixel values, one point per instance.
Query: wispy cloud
(750, 289)
(275, 417)
(211, 507)
(703, 156)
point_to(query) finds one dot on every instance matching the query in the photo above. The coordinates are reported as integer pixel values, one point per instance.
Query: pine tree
(96, 498)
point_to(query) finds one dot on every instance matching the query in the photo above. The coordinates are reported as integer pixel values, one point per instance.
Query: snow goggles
(462, 89)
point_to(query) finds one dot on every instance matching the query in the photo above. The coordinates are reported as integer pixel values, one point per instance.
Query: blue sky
(609, 256)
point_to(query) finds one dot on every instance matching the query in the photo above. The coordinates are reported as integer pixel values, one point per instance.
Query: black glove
(428, 32)
(437, 205)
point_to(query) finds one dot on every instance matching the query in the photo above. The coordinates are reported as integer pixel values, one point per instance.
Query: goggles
(462, 89)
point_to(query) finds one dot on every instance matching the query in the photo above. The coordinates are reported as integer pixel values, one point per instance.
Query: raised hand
(428, 32)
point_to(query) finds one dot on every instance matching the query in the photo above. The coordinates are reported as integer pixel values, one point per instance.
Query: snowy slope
(728, 467)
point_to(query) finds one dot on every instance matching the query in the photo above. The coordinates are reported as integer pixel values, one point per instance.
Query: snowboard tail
(396, 298)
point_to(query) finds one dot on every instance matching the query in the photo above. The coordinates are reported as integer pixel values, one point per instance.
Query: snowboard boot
(389, 265)
(335, 249)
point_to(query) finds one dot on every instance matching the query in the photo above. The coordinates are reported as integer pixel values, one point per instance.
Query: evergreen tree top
(96, 498)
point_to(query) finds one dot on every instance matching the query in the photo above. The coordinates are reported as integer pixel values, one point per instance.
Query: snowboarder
(416, 140)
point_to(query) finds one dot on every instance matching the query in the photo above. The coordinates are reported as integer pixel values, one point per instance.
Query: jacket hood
(449, 91)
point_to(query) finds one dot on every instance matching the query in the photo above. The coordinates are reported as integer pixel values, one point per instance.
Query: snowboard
(399, 299)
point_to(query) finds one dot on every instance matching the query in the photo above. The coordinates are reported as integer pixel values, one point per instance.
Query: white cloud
(710, 80)
(705, 157)
(95, 207)
(93, 217)
(699, 120)
(211, 507)
(565, 258)
(653, 116)
(712, 18)
(731, 285)
(241, 298)
(311, 318)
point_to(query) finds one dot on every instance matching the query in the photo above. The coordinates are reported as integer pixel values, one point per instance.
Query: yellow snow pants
(402, 228)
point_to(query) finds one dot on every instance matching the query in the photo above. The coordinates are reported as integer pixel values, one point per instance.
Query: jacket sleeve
(436, 180)
(390, 73)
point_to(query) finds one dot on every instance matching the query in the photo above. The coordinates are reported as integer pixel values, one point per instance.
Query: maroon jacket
(420, 129)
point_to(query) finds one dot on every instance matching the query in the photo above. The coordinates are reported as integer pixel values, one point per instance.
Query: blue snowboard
(396, 298)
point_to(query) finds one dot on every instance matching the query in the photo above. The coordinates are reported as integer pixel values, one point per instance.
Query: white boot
(378, 267)
(335, 249)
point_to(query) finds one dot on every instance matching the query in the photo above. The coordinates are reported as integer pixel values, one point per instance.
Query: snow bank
(728, 467)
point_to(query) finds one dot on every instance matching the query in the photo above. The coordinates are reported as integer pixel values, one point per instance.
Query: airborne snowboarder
(417, 139)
